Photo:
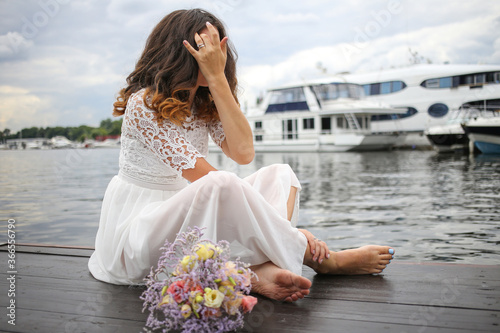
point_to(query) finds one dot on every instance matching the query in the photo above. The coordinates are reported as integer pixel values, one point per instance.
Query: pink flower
(248, 302)
(176, 289)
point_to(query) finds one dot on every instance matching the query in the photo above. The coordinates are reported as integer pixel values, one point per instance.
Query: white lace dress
(149, 202)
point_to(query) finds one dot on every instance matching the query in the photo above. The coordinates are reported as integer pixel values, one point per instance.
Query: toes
(294, 297)
(386, 250)
(302, 282)
(385, 257)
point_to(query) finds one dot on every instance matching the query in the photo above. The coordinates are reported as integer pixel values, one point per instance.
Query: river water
(429, 207)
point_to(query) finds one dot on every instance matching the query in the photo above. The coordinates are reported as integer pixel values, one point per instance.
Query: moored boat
(319, 116)
(485, 134)
(451, 136)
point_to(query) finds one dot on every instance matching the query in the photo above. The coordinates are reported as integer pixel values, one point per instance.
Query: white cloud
(296, 18)
(12, 44)
(20, 107)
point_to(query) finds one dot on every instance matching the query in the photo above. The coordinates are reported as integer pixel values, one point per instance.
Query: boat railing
(468, 112)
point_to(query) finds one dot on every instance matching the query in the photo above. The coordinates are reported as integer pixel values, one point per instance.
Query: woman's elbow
(245, 155)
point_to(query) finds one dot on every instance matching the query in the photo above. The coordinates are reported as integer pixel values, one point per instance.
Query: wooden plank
(457, 286)
(385, 314)
(45, 321)
(59, 250)
(56, 290)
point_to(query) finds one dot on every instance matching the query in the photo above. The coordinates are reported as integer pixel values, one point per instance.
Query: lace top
(157, 154)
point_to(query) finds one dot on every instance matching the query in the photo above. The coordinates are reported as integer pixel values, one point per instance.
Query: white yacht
(319, 116)
(429, 93)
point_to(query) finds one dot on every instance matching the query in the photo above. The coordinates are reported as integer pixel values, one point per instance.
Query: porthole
(438, 110)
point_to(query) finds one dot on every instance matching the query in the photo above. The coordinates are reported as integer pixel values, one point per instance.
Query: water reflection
(428, 206)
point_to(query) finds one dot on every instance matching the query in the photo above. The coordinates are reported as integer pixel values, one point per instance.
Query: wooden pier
(54, 292)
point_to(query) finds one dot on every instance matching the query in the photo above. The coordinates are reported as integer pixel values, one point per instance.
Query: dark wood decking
(56, 293)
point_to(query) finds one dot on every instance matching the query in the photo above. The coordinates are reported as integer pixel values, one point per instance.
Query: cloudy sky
(62, 61)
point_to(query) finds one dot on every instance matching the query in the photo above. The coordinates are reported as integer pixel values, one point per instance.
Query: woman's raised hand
(211, 54)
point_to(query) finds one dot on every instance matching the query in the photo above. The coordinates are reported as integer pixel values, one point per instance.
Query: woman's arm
(239, 139)
(212, 60)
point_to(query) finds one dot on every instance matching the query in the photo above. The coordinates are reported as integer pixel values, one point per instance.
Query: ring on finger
(200, 45)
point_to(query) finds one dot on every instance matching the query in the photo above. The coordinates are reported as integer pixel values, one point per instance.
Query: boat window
(432, 83)
(326, 125)
(308, 123)
(356, 91)
(328, 92)
(445, 82)
(397, 86)
(360, 122)
(385, 87)
(340, 122)
(462, 80)
(379, 117)
(479, 78)
(258, 125)
(438, 110)
(375, 89)
(289, 129)
(258, 138)
(291, 99)
(343, 91)
(366, 88)
(287, 96)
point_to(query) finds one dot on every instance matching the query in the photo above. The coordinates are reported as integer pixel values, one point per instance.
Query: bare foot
(370, 259)
(279, 284)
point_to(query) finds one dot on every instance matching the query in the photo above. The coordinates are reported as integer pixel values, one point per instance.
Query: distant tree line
(80, 133)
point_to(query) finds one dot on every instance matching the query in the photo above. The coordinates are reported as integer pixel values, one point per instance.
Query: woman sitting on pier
(182, 90)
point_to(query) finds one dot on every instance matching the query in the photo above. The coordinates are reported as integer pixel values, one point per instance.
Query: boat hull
(485, 134)
(449, 142)
(332, 143)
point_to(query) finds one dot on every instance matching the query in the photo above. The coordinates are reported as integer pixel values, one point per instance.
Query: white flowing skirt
(250, 213)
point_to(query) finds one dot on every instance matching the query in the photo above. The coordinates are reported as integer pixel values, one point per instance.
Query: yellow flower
(213, 298)
(187, 263)
(207, 251)
(195, 296)
(226, 290)
(167, 299)
(186, 310)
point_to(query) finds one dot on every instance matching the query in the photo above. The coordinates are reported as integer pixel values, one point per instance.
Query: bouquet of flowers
(197, 288)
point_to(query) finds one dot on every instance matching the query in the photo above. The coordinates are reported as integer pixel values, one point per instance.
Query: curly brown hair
(167, 70)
